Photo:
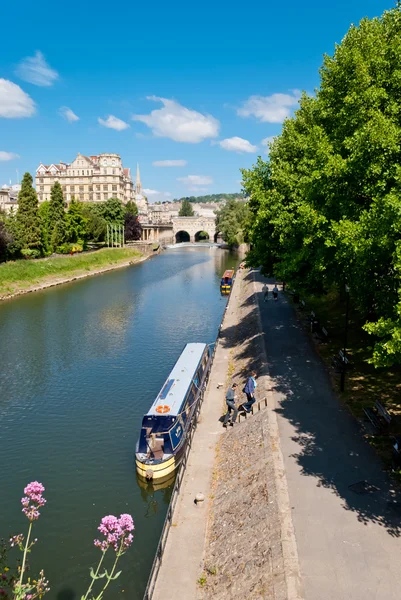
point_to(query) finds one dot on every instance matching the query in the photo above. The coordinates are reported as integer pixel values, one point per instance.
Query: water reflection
(156, 495)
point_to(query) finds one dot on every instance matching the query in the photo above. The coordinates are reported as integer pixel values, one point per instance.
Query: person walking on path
(275, 291)
(231, 407)
(249, 390)
(265, 292)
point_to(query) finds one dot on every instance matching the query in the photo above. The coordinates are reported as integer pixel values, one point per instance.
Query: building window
(87, 172)
(83, 172)
(114, 171)
(42, 188)
(105, 188)
(98, 188)
(81, 197)
(90, 197)
(41, 180)
(91, 188)
(72, 188)
(114, 188)
(81, 188)
(104, 171)
(104, 196)
(97, 196)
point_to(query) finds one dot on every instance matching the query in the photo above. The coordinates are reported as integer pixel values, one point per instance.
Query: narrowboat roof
(177, 383)
(229, 273)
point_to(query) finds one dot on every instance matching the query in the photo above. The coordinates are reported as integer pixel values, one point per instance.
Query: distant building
(87, 178)
(9, 197)
(139, 199)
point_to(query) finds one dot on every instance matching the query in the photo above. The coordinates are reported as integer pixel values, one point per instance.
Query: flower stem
(25, 552)
(97, 571)
(109, 577)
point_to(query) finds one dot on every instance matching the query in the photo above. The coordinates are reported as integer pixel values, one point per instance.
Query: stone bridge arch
(193, 225)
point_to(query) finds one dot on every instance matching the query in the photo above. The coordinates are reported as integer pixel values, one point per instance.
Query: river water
(79, 366)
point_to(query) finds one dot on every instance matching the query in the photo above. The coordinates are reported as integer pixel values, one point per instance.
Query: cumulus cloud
(269, 109)
(14, 102)
(266, 141)
(7, 155)
(196, 180)
(169, 163)
(178, 123)
(113, 122)
(156, 196)
(68, 114)
(237, 144)
(35, 69)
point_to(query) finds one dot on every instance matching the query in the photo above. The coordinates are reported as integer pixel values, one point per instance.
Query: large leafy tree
(231, 220)
(45, 226)
(186, 209)
(27, 223)
(76, 223)
(326, 206)
(131, 208)
(112, 211)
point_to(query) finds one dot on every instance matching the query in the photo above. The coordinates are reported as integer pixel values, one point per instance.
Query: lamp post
(345, 339)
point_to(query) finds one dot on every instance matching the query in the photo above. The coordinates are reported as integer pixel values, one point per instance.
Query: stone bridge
(188, 229)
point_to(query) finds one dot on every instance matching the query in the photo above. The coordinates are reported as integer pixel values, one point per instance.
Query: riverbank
(238, 543)
(25, 276)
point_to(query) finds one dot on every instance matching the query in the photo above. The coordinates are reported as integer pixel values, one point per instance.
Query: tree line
(40, 230)
(210, 198)
(326, 206)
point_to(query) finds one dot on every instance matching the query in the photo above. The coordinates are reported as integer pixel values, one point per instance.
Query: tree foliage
(76, 223)
(231, 222)
(132, 227)
(186, 209)
(112, 211)
(326, 207)
(27, 229)
(131, 208)
(56, 217)
(211, 198)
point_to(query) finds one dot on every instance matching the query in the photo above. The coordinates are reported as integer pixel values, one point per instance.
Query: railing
(150, 588)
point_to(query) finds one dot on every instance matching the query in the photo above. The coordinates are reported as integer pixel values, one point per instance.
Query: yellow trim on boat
(159, 470)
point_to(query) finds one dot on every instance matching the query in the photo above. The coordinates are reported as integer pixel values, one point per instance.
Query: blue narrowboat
(165, 426)
(227, 281)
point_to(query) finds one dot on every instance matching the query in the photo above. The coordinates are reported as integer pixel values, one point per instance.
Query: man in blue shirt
(230, 401)
(249, 390)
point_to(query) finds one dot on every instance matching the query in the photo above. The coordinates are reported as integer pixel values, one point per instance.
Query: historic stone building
(87, 178)
(140, 200)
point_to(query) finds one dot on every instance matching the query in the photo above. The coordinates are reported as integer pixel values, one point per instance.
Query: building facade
(9, 198)
(87, 179)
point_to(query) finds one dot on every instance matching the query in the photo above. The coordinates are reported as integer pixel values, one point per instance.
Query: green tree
(45, 226)
(76, 223)
(231, 221)
(28, 233)
(186, 209)
(112, 211)
(131, 208)
(57, 220)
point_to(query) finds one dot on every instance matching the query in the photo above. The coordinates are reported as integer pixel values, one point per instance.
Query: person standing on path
(275, 291)
(249, 390)
(231, 407)
(265, 292)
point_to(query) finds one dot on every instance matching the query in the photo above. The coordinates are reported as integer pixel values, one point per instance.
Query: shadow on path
(326, 441)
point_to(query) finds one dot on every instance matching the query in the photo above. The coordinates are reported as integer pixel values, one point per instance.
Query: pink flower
(115, 531)
(16, 540)
(33, 500)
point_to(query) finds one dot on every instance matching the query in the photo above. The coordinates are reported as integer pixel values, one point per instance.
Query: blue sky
(202, 84)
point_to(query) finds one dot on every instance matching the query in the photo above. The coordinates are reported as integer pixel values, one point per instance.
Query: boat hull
(160, 469)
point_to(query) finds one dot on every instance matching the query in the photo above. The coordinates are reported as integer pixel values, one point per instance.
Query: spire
(138, 184)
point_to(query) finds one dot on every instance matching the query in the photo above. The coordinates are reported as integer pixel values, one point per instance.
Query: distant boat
(165, 426)
(227, 281)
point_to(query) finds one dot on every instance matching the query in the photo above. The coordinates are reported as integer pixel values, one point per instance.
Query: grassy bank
(364, 383)
(21, 275)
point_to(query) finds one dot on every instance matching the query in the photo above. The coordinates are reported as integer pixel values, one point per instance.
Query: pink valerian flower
(33, 500)
(116, 532)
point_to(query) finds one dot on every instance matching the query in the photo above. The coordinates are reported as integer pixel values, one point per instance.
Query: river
(79, 366)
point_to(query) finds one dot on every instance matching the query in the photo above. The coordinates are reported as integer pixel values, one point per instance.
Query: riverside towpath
(183, 554)
(345, 512)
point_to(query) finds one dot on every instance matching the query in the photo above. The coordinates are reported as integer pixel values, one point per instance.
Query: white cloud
(237, 144)
(269, 109)
(266, 141)
(7, 155)
(169, 163)
(14, 102)
(178, 123)
(35, 69)
(113, 123)
(195, 180)
(197, 188)
(156, 196)
(68, 114)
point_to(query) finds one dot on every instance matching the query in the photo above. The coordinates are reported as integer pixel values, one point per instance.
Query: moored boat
(165, 426)
(227, 281)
